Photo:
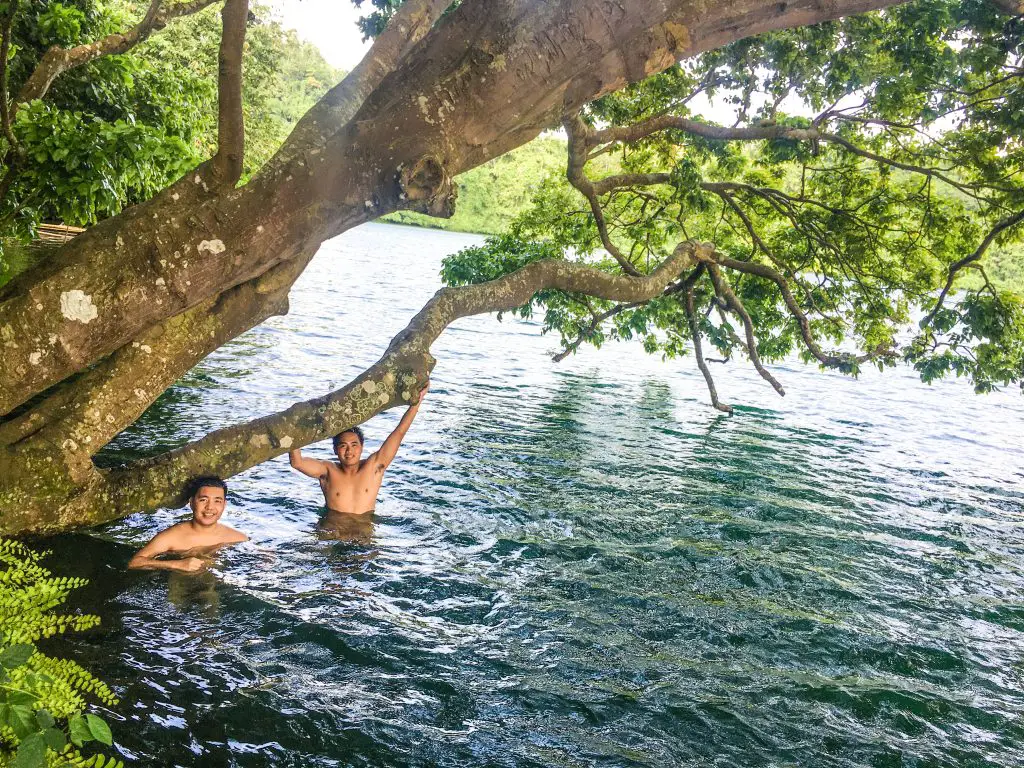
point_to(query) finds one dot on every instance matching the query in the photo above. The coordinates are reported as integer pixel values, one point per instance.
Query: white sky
(329, 24)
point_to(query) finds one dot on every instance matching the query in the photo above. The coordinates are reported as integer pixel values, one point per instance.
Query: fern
(43, 723)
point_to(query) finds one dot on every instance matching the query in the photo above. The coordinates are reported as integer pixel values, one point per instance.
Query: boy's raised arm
(389, 448)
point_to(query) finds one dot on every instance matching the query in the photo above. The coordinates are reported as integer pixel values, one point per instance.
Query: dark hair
(355, 430)
(206, 481)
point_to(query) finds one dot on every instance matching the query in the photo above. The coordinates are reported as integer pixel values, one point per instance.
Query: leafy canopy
(863, 168)
(118, 129)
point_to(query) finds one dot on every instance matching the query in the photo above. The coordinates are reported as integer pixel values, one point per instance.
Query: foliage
(117, 130)
(42, 699)
(901, 166)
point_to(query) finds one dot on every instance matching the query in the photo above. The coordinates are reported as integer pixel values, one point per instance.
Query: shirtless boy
(202, 535)
(350, 484)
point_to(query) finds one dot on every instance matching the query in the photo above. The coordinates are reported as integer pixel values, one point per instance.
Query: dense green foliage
(903, 159)
(43, 699)
(492, 195)
(117, 130)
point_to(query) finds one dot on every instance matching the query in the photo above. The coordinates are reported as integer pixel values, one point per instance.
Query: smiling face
(348, 448)
(207, 505)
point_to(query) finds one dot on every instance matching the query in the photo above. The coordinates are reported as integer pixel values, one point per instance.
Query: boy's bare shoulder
(231, 536)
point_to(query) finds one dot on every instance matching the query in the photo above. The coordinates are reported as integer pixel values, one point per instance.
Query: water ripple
(576, 564)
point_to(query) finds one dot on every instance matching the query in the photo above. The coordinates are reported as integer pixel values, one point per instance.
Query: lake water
(575, 564)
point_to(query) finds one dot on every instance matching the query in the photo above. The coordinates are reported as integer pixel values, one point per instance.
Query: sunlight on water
(578, 564)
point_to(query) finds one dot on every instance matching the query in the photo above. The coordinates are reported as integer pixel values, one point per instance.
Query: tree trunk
(142, 297)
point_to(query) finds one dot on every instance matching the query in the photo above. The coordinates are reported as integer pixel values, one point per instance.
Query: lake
(573, 564)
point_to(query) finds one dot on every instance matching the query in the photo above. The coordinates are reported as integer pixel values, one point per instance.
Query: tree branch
(391, 381)
(722, 287)
(227, 163)
(410, 23)
(91, 410)
(956, 266)
(5, 47)
(577, 159)
(698, 353)
(57, 61)
(637, 131)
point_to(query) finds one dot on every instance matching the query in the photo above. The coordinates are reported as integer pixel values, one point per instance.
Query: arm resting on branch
(389, 449)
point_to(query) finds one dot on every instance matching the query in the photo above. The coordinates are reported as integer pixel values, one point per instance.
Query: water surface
(575, 564)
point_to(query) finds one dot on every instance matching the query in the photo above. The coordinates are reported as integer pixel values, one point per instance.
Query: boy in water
(202, 535)
(350, 485)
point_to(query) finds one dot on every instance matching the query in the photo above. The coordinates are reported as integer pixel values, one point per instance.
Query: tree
(116, 130)
(94, 336)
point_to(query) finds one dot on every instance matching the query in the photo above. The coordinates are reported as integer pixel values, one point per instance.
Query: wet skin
(350, 484)
(193, 541)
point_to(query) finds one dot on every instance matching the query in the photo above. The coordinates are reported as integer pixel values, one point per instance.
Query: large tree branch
(490, 77)
(84, 415)
(411, 22)
(57, 61)
(227, 163)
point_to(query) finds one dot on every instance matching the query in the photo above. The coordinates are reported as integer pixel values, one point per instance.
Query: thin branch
(722, 287)
(698, 353)
(5, 47)
(57, 61)
(631, 133)
(577, 159)
(970, 259)
(227, 163)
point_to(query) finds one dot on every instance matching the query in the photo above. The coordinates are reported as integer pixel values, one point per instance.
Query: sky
(329, 24)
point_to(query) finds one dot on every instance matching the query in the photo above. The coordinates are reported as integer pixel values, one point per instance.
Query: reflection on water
(579, 565)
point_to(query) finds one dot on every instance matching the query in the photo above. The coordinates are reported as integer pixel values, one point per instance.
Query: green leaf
(16, 655)
(100, 730)
(44, 718)
(31, 753)
(80, 732)
(22, 720)
(55, 739)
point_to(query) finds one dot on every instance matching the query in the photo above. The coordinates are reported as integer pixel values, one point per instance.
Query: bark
(436, 98)
(483, 81)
